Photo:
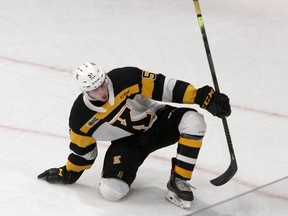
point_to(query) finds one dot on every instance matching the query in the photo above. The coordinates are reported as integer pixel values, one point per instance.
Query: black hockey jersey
(131, 108)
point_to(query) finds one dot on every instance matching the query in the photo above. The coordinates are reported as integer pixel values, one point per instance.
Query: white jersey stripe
(90, 155)
(168, 89)
(186, 159)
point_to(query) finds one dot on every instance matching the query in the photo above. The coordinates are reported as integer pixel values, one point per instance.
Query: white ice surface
(42, 41)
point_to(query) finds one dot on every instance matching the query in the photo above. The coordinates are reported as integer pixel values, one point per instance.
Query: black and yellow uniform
(135, 124)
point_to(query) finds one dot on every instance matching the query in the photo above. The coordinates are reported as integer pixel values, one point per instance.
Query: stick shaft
(230, 172)
(206, 44)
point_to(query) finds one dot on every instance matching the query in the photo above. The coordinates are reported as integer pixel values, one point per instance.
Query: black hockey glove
(60, 176)
(216, 103)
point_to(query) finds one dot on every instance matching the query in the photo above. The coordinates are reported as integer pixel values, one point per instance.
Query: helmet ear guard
(89, 76)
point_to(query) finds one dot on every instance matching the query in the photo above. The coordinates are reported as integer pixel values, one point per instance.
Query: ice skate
(179, 192)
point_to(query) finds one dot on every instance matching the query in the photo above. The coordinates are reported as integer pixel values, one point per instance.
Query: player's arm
(161, 88)
(83, 155)
(84, 152)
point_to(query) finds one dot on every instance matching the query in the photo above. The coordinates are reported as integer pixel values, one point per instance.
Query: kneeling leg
(113, 189)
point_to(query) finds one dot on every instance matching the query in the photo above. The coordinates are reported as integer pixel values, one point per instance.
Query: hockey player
(121, 106)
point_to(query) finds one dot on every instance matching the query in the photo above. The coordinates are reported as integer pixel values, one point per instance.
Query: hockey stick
(232, 169)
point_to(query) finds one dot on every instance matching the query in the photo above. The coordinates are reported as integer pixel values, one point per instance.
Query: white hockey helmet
(89, 76)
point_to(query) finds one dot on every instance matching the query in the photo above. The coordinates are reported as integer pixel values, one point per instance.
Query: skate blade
(171, 197)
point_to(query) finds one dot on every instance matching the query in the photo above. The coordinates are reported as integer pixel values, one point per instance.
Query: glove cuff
(69, 177)
(204, 96)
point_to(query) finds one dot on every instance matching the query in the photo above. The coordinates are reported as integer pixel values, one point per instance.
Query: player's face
(101, 93)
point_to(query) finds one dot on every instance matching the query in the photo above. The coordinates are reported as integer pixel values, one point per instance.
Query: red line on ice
(15, 60)
(155, 157)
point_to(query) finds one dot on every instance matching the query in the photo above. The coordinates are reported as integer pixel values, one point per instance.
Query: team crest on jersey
(126, 121)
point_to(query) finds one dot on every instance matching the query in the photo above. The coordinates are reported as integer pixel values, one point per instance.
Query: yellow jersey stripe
(147, 87)
(72, 167)
(190, 142)
(89, 124)
(183, 172)
(117, 101)
(81, 141)
(189, 95)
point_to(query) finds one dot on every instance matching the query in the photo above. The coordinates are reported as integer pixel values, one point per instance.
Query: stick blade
(227, 175)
